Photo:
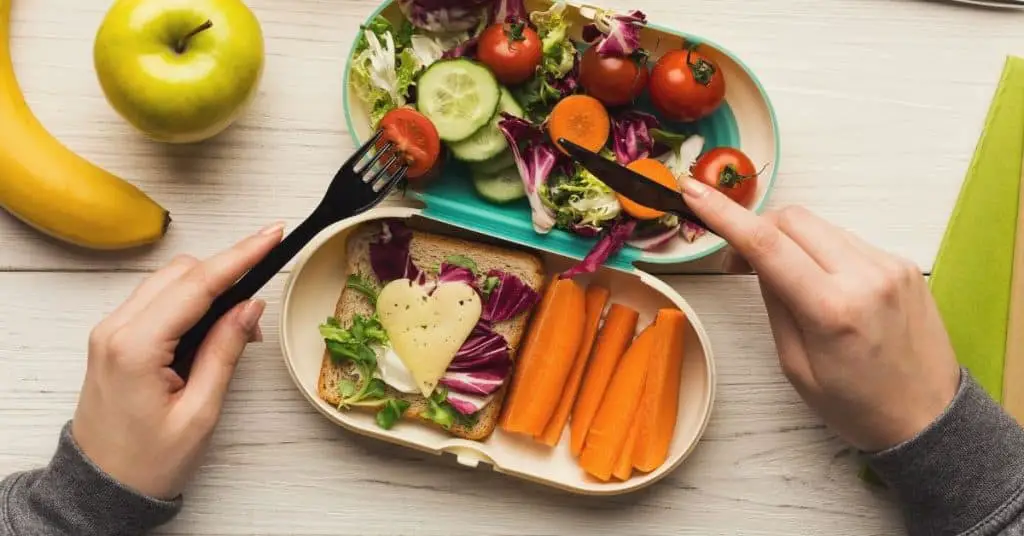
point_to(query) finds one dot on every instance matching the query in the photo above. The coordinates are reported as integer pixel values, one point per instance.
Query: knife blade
(631, 184)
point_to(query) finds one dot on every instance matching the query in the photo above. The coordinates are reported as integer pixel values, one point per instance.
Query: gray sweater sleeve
(964, 474)
(71, 496)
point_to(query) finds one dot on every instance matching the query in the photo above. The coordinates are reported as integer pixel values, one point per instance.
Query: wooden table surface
(880, 104)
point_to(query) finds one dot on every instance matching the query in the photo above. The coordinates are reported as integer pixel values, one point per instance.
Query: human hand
(857, 331)
(136, 419)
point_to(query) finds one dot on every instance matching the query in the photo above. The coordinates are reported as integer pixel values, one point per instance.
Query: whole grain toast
(428, 251)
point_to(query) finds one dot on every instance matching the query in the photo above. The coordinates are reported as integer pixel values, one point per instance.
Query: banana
(47, 186)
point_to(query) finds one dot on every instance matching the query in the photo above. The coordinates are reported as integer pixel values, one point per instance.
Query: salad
(495, 85)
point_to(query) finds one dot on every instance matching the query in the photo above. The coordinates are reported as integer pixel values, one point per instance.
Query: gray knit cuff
(965, 472)
(71, 495)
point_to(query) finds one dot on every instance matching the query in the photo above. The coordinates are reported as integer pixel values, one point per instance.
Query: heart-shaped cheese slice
(427, 330)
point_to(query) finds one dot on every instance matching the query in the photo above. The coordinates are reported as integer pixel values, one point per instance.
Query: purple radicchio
(608, 245)
(691, 231)
(631, 135)
(508, 11)
(484, 349)
(442, 16)
(510, 298)
(390, 257)
(468, 404)
(451, 273)
(476, 382)
(535, 158)
(615, 34)
(656, 240)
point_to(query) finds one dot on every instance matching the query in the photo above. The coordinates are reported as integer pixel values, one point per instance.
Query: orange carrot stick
(596, 298)
(542, 310)
(658, 408)
(546, 359)
(609, 431)
(581, 119)
(624, 465)
(615, 335)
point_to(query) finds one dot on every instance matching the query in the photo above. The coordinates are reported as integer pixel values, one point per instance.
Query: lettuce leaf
(580, 200)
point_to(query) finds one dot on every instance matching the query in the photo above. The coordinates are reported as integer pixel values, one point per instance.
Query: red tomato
(729, 171)
(413, 138)
(511, 50)
(686, 85)
(612, 80)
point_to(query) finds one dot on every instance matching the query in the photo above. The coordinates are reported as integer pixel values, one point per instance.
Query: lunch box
(311, 294)
(746, 120)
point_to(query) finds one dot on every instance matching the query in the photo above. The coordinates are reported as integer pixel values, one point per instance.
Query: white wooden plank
(880, 104)
(766, 465)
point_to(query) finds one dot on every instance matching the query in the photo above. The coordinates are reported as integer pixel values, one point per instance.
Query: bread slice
(430, 250)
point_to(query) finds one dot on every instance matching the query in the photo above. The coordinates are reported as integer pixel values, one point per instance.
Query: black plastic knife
(631, 184)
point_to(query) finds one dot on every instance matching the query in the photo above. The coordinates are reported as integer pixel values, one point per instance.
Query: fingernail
(272, 229)
(251, 313)
(693, 188)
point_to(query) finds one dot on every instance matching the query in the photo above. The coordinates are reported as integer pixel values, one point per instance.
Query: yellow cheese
(426, 331)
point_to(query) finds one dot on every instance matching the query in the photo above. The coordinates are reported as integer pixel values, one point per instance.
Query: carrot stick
(624, 465)
(580, 119)
(596, 298)
(546, 359)
(615, 335)
(542, 310)
(609, 431)
(660, 403)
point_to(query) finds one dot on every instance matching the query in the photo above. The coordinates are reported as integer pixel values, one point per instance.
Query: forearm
(962, 475)
(71, 496)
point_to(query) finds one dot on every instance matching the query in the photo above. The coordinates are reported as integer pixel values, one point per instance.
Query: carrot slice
(659, 405)
(580, 119)
(657, 172)
(596, 298)
(546, 359)
(609, 431)
(615, 335)
(624, 465)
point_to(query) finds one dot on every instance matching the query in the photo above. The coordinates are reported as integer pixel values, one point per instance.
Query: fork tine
(384, 149)
(363, 149)
(369, 178)
(387, 182)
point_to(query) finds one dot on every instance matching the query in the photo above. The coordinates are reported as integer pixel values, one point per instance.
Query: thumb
(218, 356)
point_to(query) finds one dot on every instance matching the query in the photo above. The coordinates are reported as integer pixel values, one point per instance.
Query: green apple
(179, 70)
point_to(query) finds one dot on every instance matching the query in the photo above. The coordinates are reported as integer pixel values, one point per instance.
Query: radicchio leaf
(510, 298)
(450, 273)
(608, 245)
(584, 229)
(535, 158)
(691, 231)
(480, 383)
(468, 404)
(389, 254)
(508, 11)
(631, 135)
(615, 34)
(655, 241)
(484, 349)
(443, 15)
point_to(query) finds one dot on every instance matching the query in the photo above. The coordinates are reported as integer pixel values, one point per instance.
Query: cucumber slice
(459, 96)
(488, 141)
(494, 164)
(503, 186)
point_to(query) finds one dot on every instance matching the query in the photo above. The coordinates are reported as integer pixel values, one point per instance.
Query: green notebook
(971, 276)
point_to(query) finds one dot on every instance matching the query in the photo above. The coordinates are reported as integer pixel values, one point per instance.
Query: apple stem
(183, 42)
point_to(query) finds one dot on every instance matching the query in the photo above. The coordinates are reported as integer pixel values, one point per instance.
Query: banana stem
(182, 43)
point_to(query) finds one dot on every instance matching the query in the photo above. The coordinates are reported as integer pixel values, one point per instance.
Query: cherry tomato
(612, 80)
(729, 171)
(511, 50)
(414, 139)
(686, 85)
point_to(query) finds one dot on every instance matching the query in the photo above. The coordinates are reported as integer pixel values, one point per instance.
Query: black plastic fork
(355, 189)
